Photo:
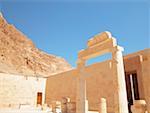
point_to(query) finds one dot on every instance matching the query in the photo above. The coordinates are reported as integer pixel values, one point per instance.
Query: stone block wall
(146, 78)
(99, 85)
(99, 81)
(139, 62)
(61, 85)
(17, 89)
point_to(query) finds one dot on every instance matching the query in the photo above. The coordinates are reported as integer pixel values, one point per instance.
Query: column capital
(117, 48)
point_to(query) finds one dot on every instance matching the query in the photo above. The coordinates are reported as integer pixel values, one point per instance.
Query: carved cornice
(99, 38)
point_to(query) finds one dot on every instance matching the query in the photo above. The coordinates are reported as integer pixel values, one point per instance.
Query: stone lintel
(98, 49)
(99, 38)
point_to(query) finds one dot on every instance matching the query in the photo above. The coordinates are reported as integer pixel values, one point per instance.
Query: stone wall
(99, 84)
(133, 64)
(61, 85)
(16, 90)
(140, 62)
(146, 77)
(99, 81)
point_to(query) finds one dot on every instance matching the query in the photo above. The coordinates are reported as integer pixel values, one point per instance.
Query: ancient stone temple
(117, 85)
(34, 81)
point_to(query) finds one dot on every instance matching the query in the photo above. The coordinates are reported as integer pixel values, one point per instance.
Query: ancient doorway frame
(39, 98)
(132, 87)
(99, 45)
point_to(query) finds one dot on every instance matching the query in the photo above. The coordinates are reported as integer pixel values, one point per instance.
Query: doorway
(132, 88)
(39, 98)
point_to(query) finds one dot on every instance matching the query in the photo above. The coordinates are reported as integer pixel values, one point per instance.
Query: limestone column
(102, 106)
(81, 88)
(120, 95)
(146, 78)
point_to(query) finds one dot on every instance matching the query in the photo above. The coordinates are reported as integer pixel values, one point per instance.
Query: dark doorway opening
(131, 88)
(39, 98)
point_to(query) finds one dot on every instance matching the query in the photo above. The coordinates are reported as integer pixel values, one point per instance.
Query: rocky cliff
(18, 55)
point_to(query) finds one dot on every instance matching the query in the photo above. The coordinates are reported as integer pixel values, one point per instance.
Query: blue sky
(62, 27)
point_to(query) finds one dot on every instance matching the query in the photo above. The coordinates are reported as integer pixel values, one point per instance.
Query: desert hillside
(18, 55)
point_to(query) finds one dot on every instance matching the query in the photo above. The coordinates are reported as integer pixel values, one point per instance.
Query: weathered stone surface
(18, 54)
(102, 106)
(71, 107)
(101, 45)
(99, 38)
(99, 84)
(139, 106)
(16, 90)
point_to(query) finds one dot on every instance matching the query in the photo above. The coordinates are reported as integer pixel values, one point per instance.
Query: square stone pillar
(81, 106)
(102, 106)
(120, 95)
(146, 78)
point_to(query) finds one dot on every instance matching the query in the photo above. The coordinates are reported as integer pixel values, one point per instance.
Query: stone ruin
(101, 44)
